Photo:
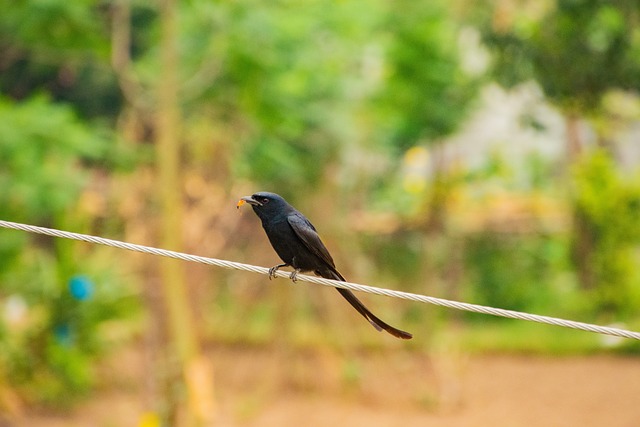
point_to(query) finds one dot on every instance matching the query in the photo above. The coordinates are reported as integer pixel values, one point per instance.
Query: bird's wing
(307, 233)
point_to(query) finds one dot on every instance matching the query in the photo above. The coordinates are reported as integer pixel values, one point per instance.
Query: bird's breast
(283, 239)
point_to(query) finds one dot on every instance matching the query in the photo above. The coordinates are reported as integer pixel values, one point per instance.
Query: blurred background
(484, 151)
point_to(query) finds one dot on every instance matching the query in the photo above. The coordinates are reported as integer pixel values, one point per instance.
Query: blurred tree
(425, 93)
(577, 51)
(195, 369)
(607, 206)
(66, 58)
(513, 271)
(51, 340)
(154, 107)
(54, 78)
(275, 77)
(288, 71)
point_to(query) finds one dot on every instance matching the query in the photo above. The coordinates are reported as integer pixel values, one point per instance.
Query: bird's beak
(247, 199)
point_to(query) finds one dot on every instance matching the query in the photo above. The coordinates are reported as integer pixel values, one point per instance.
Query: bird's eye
(265, 201)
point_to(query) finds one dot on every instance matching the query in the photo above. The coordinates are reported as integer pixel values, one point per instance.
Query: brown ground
(398, 389)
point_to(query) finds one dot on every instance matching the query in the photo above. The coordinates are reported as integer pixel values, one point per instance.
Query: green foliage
(578, 51)
(292, 87)
(53, 333)
(51, 344)
(575, 49)
(516, 272)
(606, 209)
(425, 94)
(43, 147)
(29, 23)
(299, 84)
(67, 57)
(399, 254)
(277, 74)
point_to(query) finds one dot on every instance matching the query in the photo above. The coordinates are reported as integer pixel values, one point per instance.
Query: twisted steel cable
(512, 314)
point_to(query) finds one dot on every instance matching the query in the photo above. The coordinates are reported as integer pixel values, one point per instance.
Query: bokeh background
(484, 151)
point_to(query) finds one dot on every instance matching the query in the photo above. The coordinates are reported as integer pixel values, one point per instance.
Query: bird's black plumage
(298, 244)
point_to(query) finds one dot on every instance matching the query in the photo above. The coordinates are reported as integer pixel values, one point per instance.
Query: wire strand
(475, 308)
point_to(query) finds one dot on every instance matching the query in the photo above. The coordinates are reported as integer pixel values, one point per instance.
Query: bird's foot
(273, 270)
(294, 275)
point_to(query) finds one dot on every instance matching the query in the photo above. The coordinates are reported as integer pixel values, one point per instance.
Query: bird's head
(265, 204)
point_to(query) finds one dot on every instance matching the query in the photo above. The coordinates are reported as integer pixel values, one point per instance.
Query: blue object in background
(63, 334)
(81, 287)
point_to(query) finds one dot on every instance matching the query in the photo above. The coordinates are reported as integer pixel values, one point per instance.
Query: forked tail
(364, 311)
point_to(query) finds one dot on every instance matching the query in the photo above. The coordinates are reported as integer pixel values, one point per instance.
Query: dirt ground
(258, 387)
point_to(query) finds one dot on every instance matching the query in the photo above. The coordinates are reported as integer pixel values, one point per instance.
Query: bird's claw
(273, 270)
(294, 276)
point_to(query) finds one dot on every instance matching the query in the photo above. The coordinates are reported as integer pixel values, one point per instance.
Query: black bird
(297, 243)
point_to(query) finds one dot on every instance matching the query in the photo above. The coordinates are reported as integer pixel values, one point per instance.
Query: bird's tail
(364, 311)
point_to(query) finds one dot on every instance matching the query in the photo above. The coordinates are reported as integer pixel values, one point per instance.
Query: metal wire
(327, 282)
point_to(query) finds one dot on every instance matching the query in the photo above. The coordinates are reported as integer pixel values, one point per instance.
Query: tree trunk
(574, 142)
(582, 244)
(194, 369)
